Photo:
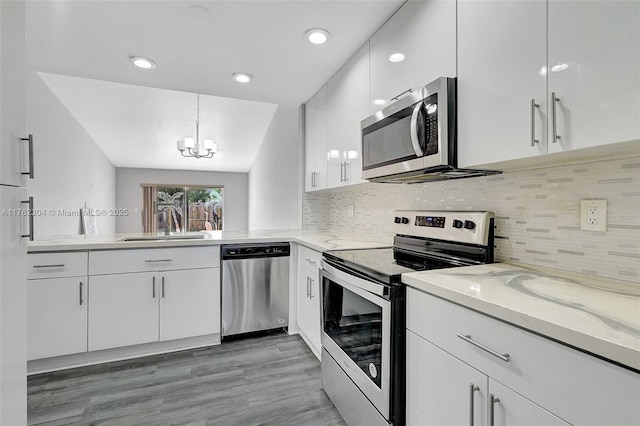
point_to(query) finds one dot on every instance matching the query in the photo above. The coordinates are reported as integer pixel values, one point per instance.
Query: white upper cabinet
(513, 57)
(502, 49)
(316, 122)
(425, 33)
(594, 70)
(348, 104)
(13, 149)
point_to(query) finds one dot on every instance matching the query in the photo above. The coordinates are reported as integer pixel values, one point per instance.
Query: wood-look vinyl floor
(270, 380)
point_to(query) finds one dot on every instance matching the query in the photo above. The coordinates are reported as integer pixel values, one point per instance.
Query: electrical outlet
(593, 215)
(350, 210)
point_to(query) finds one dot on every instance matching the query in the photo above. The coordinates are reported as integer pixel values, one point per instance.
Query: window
(185, 208)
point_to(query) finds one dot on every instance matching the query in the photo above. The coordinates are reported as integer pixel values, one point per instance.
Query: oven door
(356, 325)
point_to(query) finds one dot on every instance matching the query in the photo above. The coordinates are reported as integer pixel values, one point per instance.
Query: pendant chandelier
(190, 147)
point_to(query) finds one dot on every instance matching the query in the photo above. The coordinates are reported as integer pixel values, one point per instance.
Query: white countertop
(316, 240)
(597, 315)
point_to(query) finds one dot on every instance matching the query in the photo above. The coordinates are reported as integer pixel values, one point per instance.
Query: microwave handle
(414, 130)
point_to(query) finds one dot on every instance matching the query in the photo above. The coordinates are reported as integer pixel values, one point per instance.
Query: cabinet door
(124, 310)
(189, 303)
(309, 306)
(439, 387)
(594, 63)
(502, 50)
(310, 145)
(348, 94)
(12, 92)
(320, 149)
(514, 410)
(56, 317)
(425, 33)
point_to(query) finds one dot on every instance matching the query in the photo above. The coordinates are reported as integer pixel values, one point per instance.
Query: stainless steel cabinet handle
(346, 175)
(154, 287)
(467, 338)
(341, 172)
(30, 141)
(81, 301)
(30, 234)
(313, 262)
(472, 390)
(554, 124)
(157, 260)
(307, 287)
(534, 105)
(492, 401)
(311, 280)
(60, 265)
(406, 91)
(163, 286)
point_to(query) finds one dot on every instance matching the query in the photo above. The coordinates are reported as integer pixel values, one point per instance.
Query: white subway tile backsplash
(537, 213)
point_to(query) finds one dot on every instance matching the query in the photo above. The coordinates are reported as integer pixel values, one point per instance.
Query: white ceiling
(197, 46)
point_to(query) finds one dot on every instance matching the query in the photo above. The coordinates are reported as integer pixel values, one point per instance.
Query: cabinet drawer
(144, 260)
(56, 265)
(578, 387)
(309, 258)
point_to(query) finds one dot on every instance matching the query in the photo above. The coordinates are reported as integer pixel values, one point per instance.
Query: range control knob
(457, 223)
(405, 220)
(397, 219)
(469, 224)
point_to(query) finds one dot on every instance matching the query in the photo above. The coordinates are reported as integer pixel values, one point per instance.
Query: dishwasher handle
(253, 251)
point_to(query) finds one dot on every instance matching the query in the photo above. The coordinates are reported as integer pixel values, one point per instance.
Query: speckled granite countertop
(594, 314)
(316, 240)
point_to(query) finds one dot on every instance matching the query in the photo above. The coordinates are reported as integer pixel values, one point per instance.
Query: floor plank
(269, 380)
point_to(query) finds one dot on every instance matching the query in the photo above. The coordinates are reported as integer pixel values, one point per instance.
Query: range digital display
(430, 221)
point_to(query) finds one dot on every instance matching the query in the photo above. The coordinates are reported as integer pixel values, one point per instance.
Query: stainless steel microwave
(413, 136)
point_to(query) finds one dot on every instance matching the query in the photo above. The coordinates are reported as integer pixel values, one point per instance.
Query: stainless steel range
(363, 308)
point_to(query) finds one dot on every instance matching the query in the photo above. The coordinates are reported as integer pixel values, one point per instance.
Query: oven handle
(371, 287)
(414, 130)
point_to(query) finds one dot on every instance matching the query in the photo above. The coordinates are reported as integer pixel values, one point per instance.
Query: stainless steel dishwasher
(255, 287)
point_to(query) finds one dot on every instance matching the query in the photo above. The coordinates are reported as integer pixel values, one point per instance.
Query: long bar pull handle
(472, 389)
(163, 286)
(157, 260)
(467, 338)
(30, 234)
(406, 91)
(81, 300)
(307, 287)
(554, 120)
(346, 171)
(30, 141)
(59, 265)
(341, 172)
(154, 287)
(492, 401)
(311, 280)
(534, 105)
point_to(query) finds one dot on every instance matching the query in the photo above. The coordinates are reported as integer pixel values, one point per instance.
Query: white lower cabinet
(189, 303)
(540, 382)
(309, 298)
(56, 317)
(124, 310)
(146, 307)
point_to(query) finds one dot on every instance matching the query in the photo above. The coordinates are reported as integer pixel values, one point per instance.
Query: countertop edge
(610, 351)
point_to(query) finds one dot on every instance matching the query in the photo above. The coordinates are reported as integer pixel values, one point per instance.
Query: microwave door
(417, 129)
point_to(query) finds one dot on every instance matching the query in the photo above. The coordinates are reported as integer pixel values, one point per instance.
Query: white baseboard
(117, 354)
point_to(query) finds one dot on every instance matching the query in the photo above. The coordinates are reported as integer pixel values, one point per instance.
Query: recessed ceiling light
(396, 57)
(317, 35)
(241, 77)
(379, 102)
(144, 63)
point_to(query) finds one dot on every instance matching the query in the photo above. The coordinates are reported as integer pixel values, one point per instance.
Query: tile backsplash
(537, 213)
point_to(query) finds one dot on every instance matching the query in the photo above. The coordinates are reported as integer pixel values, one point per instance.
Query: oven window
(355, 325)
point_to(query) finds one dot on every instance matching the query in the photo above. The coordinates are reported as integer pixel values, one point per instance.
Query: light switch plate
(593, 215)
(350, 210)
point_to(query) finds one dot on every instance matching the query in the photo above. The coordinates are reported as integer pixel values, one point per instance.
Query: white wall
(129, 194)
(69, 168)
(275, 178)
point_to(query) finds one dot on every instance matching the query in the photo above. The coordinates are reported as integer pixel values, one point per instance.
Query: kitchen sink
(163, 238)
